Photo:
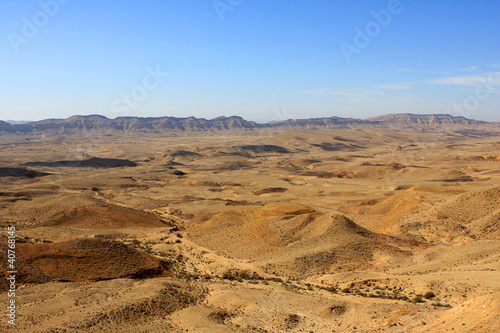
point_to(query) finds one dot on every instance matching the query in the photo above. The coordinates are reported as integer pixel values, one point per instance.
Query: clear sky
(260, 59)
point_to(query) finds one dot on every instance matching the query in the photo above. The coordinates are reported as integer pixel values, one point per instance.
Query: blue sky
(261, 59)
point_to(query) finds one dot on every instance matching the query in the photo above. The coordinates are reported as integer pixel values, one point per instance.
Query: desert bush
(346, 290)
(292, 321)
(429, 295)
(244, 274)
(220, 316)
(417, 299)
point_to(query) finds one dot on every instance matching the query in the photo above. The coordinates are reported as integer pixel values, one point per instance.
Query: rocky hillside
(169, 125)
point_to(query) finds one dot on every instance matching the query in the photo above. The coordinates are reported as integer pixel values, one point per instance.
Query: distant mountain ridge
(165, 125)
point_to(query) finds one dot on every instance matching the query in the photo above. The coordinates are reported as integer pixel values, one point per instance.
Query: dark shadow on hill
(265, 149)
(184, 153)
(20, 172)
(93, 162)
(338, 146)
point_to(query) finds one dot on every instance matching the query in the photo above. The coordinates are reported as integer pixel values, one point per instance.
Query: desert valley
(388, 224)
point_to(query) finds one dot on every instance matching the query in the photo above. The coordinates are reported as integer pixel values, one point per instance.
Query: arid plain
(360, 229)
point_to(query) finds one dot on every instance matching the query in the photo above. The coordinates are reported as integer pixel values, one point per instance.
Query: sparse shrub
(245, 275)
(265, 282)
(292, 321)
(331, 289)
(179, 235)
(227, 275)
(177, 241)
(417, 299)
(346, 290)
(220, 316)
(135, 242)
(429, 295)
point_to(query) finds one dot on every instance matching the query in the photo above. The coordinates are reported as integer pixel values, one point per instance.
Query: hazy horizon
(16, 122)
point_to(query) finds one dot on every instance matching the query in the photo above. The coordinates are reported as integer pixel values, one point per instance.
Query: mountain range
(166, 125)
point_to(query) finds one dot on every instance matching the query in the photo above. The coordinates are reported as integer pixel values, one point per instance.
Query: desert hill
(107, 218)
(84, 260)
(478, 212)
(294, 239)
